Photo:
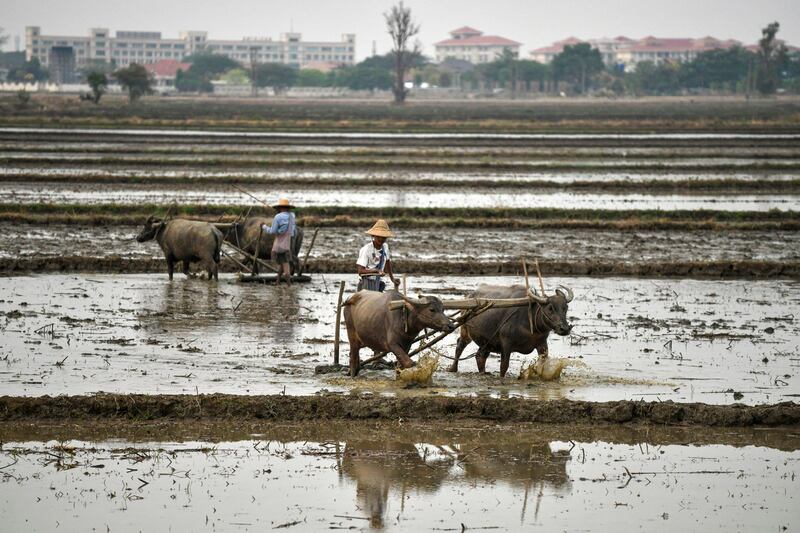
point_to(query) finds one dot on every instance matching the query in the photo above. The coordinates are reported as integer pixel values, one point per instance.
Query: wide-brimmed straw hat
(380, 229)
(283, 202)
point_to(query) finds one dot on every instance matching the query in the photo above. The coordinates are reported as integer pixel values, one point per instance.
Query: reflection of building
(62, 65)
(142, 47)
(472, 45)
(625, 51)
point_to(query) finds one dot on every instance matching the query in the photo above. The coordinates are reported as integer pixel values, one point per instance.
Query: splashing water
(548, 368)
(422, 372)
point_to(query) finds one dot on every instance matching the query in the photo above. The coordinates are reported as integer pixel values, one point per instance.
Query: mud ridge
(723, 269)
(349, 407)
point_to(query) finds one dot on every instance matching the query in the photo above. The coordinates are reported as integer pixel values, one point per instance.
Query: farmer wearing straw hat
(285, 229)
(374, 261)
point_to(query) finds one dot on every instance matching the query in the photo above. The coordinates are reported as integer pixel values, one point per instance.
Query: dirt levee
(341, 407)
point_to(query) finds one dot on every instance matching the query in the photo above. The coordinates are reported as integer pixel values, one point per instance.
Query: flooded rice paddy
(685, 340)
(399, 477)
(19, 240)
(417, 197)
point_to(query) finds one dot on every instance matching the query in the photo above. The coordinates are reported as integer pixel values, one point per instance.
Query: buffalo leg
(402, 356)
(505, 359)
(542, 349)
(481, 357)
(463, 342)
(170, 267)
(186, 267)
(355, 362)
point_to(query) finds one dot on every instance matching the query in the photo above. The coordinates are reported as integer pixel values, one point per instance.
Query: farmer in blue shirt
(284, 229)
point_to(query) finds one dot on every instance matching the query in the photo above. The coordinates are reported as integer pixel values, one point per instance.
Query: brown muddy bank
(326, 407)
(722, 269)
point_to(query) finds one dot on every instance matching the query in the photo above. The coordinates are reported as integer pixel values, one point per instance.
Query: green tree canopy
(312, 78)
(771, 58)
(31, 71)
(205, 68)
(577, 64)
(276, 75)
(717, 68)
(98, 82)
(135, 80)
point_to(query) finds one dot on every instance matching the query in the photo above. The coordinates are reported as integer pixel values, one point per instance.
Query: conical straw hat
(283, 202)
(380, 229)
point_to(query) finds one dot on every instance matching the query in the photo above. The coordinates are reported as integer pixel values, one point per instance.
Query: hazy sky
(532, 22)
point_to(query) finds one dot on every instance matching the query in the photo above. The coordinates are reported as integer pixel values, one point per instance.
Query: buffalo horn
(536, 298)
(569, 295)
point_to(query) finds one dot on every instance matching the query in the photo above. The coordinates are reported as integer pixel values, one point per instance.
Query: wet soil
(713, 342)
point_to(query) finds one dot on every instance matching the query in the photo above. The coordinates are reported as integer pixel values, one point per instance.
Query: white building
(472, 45)
(628, 52)
(127, 47)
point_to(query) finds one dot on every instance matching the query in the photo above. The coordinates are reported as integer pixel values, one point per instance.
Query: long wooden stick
(251, 256)
(229, 256)
(305, 260)
(472, 303)
(250, 195)
(338, 325)
(539, 273)
(258, 247)
(527, 291)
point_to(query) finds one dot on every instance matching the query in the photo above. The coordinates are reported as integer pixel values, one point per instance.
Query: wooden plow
(469, 307)
(248, 262)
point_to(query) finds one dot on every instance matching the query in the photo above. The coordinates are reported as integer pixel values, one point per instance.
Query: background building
(472, 45)
(142, 47)
(628, 52)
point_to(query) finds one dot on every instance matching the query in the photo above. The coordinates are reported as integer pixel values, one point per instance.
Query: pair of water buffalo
(372, 324)
(190, 241)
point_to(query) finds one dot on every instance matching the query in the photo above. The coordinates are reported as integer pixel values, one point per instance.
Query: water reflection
(381, 469)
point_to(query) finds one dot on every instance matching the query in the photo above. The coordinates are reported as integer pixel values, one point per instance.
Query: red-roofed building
(164, 72)
(472, 45)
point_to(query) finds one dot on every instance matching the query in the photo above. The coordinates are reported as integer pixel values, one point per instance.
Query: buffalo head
(554, 309)
(428, 312)
(151, 227)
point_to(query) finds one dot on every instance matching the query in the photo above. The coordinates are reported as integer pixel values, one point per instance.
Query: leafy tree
(135, 80)
(205, 67)
(362, 78)
(577, 64)
(531, 71)
(236, 76)
(716, 68)
(401, 29)
(98, 83)
(771, 57)
(30, 72)
(650, 78)
(276, 75)
(312, 78)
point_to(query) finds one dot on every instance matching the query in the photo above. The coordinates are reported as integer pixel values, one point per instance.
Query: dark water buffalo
(187, 241)
(245, 236)
(507, 330)
(370, 323)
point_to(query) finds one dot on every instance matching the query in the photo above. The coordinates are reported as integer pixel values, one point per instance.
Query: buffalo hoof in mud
(452, 368)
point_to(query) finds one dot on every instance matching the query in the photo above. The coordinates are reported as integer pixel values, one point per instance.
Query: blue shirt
(280, 224)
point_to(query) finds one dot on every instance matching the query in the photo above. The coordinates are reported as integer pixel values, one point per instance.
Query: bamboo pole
(539, 274)
(250, 256)
(527, 291)
(308, 252)
(338, 325)
(472, 303)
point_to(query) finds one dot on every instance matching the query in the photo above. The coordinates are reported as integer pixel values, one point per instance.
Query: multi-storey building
(628, 52)
(472, 45)
(142, 47)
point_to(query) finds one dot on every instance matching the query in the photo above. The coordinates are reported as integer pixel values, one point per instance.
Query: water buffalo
(187, 241)
(506, 330)
(371, 323)
(245, 235)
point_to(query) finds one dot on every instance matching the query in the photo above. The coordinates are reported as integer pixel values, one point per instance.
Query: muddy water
(444, 481)
(705, 341)
(424, 197)
(298, 175)
(486, 245)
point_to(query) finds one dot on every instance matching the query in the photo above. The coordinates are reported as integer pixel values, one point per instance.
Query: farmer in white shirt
(374, 260)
